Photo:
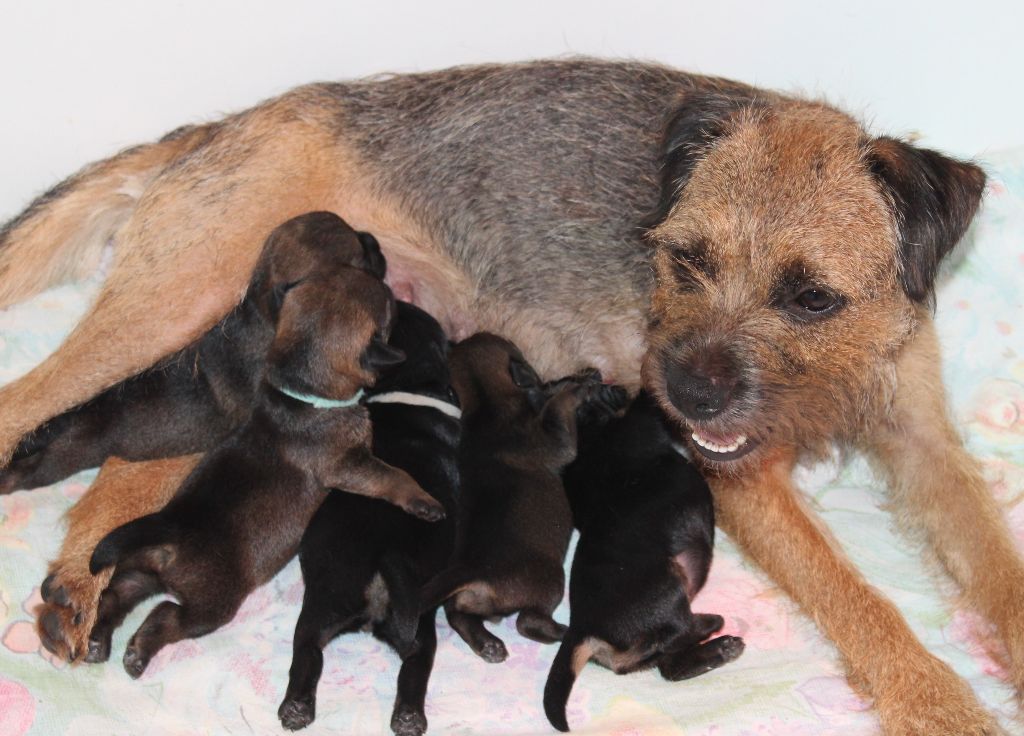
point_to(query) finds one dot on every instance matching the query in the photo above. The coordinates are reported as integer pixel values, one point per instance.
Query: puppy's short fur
(364, 561)
(514, 519)
(647, 532)
(795, 256)
(239, 516)
(192, 399)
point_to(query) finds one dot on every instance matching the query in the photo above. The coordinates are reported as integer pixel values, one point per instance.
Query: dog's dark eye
(814, 302)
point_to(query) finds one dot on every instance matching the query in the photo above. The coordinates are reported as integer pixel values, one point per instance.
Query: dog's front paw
(68, 611)
(408, 721)
(296, 713)
(933, 700)
(493, 651)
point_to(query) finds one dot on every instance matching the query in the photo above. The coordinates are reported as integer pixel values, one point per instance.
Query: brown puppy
(239, 516)
(546, 176)
(514, 519)
(190, 400)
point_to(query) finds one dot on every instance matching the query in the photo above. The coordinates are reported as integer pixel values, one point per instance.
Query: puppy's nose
(697, 395)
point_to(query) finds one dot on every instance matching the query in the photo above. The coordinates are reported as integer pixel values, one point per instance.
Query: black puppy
(514, 520)
(191, 400)
(647, 529)
(364, 561)
(239, 516)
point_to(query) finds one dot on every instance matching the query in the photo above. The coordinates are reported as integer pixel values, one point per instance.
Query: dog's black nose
(697, 395)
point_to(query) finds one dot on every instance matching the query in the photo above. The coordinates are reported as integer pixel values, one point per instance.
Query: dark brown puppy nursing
(239, 516)
(364, 561)
(190, 400)
(514, 520)
(647, 530)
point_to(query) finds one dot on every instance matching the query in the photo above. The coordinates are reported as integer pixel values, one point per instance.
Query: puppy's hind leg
(408, 717)
(168, 623)
(471, 628)
(182, 259)
(125, 592)
(538, 625)
(700, 658)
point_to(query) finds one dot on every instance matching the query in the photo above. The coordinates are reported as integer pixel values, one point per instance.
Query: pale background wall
(79, 80)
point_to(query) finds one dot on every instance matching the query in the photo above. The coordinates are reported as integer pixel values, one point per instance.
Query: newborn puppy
(514, 521)
(192, 399)
(239, 516)
(647, 529)
(364, 561)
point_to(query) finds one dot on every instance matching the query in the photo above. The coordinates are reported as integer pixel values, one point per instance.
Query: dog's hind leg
(471, 628)
(122, 492)
(939, 492)
(325, 613)
(183, 258)
(169, 623)
(914, 692)
(408, 717)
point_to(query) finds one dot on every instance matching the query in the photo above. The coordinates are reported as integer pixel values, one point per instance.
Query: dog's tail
(573, 654)
(444, 585)
(61, 235)
(147, 531)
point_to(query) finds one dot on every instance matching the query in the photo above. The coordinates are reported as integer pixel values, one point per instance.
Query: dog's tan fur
(784, 185)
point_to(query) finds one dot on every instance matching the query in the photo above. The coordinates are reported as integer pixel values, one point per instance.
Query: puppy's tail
(444, 585)
(147, 531)
(60, 236)
(573, 654)
(404, 601)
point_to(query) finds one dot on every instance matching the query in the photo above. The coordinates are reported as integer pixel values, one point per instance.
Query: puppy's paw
(98, 650)
(408, 721)
(493, 651)
(68, 611)
(135, 661)
(426, 510)
(296, 713)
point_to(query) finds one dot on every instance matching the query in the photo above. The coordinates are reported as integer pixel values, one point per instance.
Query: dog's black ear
(379, 356)
(373, 258)
(702, 118)
(934, 198)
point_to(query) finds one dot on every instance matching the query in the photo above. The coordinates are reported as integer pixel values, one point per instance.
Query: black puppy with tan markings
(239, 516)
(191, 400)
(647, 529)
(363, 561)
(514, 519)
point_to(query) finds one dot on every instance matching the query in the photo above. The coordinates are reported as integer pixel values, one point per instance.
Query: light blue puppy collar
(321, 402)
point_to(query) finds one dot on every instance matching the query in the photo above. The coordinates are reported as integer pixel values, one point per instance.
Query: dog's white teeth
(720, 449)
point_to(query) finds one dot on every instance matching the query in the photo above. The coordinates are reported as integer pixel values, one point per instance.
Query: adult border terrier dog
(788, 305)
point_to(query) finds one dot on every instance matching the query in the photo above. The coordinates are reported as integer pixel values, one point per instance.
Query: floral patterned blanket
(788, 682)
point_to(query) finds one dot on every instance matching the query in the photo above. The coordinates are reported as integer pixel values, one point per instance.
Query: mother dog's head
(794, 257)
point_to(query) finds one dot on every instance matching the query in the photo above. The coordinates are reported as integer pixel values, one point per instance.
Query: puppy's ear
(701, 119)
(934, 198)
(373, 258)
(379, 356)
(522, 374)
